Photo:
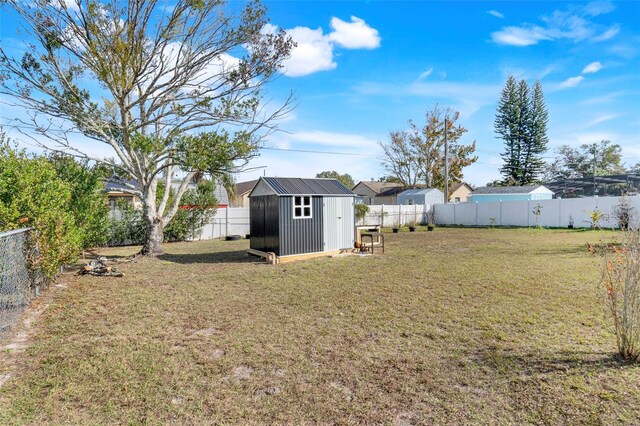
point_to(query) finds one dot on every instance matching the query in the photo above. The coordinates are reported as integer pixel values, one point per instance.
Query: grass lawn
(457, 326)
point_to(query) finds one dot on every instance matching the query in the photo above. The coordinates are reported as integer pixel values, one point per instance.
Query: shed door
(339, 223)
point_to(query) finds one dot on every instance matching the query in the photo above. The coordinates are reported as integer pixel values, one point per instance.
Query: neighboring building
(242, 191)
(116, 192)
(293, 216)
(376, 193)
(219, 191)
(460, 192)
(421, 196)
(511, 193)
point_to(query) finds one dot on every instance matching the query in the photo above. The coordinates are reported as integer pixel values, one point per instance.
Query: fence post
(226, 221)
(528, 208)
(400, 221)
(559, 212)
(454, 214)
(382, 216)
(476, 213)
(500, 223)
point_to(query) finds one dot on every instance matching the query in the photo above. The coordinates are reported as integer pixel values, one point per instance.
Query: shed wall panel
(264, 224)
(339, 223)
(299, 236)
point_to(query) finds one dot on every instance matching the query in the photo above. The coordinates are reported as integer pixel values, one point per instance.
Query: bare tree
(174, 92)
(416, 156)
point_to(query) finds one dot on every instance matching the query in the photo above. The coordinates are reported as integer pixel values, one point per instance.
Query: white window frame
(306, 202)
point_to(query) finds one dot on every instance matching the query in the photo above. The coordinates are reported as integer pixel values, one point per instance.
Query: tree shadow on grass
(236, 256)
(550, 363)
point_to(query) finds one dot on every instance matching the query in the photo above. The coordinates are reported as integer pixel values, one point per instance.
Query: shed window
(301, 207)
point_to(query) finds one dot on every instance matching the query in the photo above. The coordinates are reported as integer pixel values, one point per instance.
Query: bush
(88, 198)
(198, 207)
(620, 286)
(623, 213)
(33, 195)
(361, 211)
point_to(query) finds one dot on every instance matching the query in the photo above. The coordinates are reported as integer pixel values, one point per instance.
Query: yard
(456, 326)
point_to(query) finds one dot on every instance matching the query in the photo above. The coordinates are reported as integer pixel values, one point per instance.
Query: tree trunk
(153, 240)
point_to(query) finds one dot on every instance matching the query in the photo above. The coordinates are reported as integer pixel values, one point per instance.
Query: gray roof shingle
(505, 189)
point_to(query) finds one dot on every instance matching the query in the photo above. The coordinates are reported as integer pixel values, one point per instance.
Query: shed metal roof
(303, 186)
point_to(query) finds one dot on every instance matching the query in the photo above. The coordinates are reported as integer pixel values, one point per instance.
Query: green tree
(603, 158)
(346, 178)
(416, 156)
(181, 89)
(521, 122)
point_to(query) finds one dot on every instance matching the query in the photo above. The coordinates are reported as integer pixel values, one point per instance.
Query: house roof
(303, 186)
(458, 185)
(381, 187)
(244, 187)
(390, 191)
(507, 189)
(119, 185)
(416, 191)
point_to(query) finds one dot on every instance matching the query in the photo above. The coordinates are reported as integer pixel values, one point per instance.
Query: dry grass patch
(453, 326)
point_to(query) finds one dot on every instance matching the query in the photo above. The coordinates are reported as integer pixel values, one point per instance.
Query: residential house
(460, 192)
(377, 193)
(242, 191)
(511, 193)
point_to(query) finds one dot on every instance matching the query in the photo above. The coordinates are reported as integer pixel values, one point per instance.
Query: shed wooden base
(272, 259)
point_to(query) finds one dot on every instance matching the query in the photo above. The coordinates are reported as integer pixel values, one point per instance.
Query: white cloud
(608, 34)
(599, 8)
(519, 36)
(467, 98)
(601, 119)
(592, 68)
(496, 14)
(571, 82)
(574, 24)
(314, 50)
(354, 35)
(426, 73)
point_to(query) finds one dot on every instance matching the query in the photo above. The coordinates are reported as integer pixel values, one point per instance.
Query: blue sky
(362, 69)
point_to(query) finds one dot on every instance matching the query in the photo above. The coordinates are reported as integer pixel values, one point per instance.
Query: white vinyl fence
(227, 221)
(235, 220)
(393, 215)
(553, 213)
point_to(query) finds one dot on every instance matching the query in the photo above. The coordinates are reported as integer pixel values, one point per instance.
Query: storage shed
(511, 193)
(421, 196)
(295, 216)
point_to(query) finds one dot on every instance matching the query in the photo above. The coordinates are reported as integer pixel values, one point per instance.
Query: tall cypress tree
(537, 136)
(521, 121)
(507, 127)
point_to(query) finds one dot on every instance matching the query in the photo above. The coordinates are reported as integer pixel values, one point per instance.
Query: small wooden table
(373, 236)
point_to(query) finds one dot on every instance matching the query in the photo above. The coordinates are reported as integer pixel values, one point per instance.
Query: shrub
(361, 211)
(623, 213)
(33, 195)
(198, 207)
(596, 216)
(620, 285)
(88, 198)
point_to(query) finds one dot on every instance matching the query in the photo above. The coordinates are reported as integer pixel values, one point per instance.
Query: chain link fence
(19, 283)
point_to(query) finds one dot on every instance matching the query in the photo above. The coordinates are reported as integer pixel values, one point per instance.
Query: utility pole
(594, 169)
(446, 163)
